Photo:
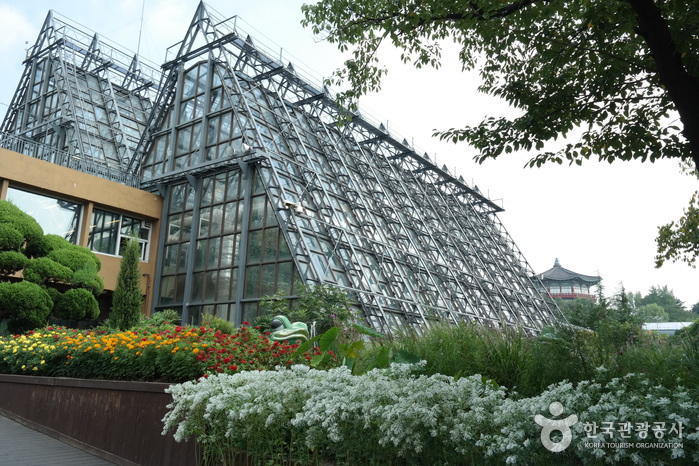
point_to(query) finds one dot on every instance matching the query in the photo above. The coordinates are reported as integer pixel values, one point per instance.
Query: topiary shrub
(26, 304)
(75, 257)
(11, 262)
(76, 304)
(10, 238)
(43, 270)
(87, 277)
(28, 227)
(41, 247)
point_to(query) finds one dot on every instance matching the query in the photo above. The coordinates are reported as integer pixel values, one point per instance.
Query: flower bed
(394, 417)
(171, 354)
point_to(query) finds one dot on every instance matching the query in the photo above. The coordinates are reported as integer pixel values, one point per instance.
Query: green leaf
(328, 338)
(406, 357)
(368, 331)
(307, 345)
(383, 358)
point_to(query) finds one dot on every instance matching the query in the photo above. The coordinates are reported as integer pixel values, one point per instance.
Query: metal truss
(358, 207)
(84, 96)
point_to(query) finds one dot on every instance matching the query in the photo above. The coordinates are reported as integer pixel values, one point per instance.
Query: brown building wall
(25, 172)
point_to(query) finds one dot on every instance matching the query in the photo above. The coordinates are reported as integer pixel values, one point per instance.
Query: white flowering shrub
(394, 416)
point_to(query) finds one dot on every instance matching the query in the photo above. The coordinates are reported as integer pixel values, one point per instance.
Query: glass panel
(252, 282)
(213, 131)
(182, 262)
(213, 256)
(254, 246)
(267, 279)
(230, 220)
(198, 284)
(55, 216)
(167, 290)
(270, 218)
(269, 250)
(104, 232)
(227, 251)
(257, 212)
(216, 220)
(284, 253)
(223, 285)
(188, 87)
(204, 222)
(200, 256)
(220, 188)
(233, 184)
(250, 311)
(170, 258)
(284, 277)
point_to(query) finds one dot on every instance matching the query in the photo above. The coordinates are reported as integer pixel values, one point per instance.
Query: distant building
(566, 284)
(668, 328)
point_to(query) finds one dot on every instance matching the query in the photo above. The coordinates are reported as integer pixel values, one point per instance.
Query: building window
(110, 232)
(56, 216)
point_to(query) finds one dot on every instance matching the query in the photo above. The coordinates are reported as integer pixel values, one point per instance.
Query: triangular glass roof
(354, 205)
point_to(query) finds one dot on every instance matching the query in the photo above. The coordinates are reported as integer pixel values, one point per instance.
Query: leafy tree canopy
(622, 71)
(652, 313)
(665, 298)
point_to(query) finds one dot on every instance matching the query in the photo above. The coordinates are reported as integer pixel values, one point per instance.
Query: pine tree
(127, 299)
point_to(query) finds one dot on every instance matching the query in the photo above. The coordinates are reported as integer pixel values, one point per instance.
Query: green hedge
(10, 238)
(12, 261)
(27, 304)
(76, 304)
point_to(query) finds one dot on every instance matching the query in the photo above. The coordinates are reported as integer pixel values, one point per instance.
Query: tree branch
(681, 86)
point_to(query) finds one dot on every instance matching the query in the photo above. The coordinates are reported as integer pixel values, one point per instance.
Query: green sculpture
(283, 330)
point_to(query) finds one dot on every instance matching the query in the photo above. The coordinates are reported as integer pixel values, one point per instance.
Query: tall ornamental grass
(527, 365)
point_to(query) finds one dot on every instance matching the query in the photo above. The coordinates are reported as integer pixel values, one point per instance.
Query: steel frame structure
(355, 206)
(83, 96)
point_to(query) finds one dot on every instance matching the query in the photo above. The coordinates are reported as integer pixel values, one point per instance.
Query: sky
(597, 219)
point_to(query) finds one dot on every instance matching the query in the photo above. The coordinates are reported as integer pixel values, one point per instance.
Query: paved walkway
(23, 446)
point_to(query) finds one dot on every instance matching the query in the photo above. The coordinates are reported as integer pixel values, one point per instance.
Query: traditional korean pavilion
(566, 284)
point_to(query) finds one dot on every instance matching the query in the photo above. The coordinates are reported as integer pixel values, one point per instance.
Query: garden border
(119, 421)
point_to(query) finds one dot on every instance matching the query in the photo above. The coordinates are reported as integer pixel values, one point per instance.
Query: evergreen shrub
(27, 304)
(44, 245)
(76, 304)
(28, 227)
(127, 300)
(75, 257)
(12, 261)
(10, 238)
(42, 270)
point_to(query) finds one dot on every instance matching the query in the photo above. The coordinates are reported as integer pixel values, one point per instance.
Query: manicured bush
(10, 238)
(26, 304)
(87, 277)
(43, 270)
(12, 261)
(75, 257)
(21, 221)
(41, 247)
(76, 304)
